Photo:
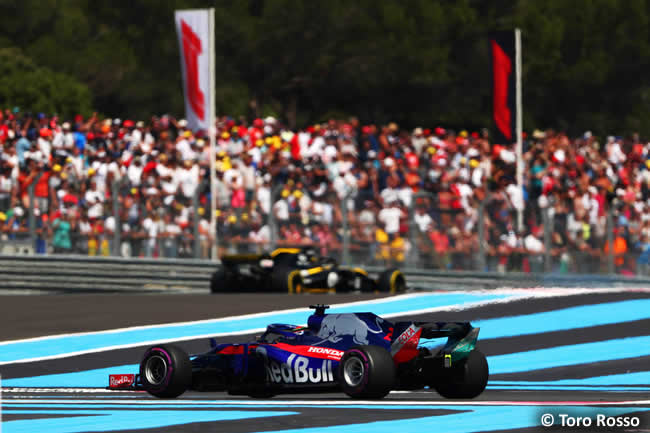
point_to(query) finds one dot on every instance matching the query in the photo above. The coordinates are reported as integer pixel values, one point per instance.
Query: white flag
(193, 29)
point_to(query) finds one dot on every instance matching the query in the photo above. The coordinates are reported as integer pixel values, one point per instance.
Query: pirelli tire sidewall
(391, 281)
(378, 372)
(286, 280)
(166, 371)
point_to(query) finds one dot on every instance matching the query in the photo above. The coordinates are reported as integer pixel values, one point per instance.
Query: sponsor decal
(336, 326)
(121, 380)
(297, 370)
(311, 351)
(331, 353)
(405, 347)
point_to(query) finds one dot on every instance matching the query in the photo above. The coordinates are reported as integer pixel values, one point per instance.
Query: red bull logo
(297, 370)
(121, 380)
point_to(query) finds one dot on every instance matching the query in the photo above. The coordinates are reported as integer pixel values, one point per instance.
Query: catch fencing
(430, 235)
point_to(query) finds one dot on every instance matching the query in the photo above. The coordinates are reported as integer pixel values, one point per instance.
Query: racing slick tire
(366, 372)
(221, 281)
(467, 379)
(287, 281)
(391, 281)
(165, 371)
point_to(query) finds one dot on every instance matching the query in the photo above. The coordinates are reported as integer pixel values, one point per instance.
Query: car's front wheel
(165, 371)
(391, 281)
(467, 379)
(366, 372)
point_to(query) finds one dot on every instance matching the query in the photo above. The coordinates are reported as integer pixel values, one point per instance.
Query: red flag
(502, 53)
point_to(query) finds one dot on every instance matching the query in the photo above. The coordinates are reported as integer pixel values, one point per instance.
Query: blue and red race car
(360, 354)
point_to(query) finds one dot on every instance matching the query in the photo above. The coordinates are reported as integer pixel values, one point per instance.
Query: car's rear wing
(239, 259)
(461, 339)
(444, 329)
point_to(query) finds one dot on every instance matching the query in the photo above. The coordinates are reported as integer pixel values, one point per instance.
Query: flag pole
(520, 167)
(212, 132)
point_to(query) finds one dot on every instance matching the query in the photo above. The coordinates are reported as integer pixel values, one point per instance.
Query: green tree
(31, 87)
(419, 62)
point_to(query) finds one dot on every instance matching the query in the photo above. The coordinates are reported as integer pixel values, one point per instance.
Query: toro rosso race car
(360, 354)
(296, 270)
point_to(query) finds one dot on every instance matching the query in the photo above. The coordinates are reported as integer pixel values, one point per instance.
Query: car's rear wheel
(391, 281)
(221, 281)
(366, 372)
(287, 281)
(467, 379)
(165, 371)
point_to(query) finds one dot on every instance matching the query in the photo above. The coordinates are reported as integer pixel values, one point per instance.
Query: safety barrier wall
(96, 274)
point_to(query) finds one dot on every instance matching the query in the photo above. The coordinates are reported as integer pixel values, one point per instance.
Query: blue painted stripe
(569, 388)
(471, 419)
(570, 355)
(638, 378)
(69, 344)
(567, 318)
(197, 404)
(96, 378)
(463, 419)
(108, 420)
(517, 362)
(510, 363)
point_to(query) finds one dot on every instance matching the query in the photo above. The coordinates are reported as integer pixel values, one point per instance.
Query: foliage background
(417, 62)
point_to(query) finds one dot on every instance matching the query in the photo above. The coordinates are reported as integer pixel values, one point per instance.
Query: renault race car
(298, 270)
(360, 354)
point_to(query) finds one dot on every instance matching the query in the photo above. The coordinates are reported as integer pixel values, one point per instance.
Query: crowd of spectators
(417, 195)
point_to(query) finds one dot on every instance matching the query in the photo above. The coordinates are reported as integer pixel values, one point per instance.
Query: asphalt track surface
(580, 353)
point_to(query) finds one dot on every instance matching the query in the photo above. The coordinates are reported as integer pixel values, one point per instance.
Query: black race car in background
(298, 270)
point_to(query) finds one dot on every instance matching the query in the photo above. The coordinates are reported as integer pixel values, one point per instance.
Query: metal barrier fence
(427, 234)
(111, 274)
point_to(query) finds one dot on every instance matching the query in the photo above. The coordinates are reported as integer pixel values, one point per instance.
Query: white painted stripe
(523, 293)
(516, 295)
(197, 322)
(455, 307)
(128, 346)
(15, 390)
(347, 402)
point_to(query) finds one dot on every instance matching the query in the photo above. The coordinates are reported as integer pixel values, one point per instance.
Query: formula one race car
(296, 270)
(360, 354)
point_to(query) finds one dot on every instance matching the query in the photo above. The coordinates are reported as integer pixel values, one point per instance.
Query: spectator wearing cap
(44, 144)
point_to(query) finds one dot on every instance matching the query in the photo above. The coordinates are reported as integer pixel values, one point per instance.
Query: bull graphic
(336, 326)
